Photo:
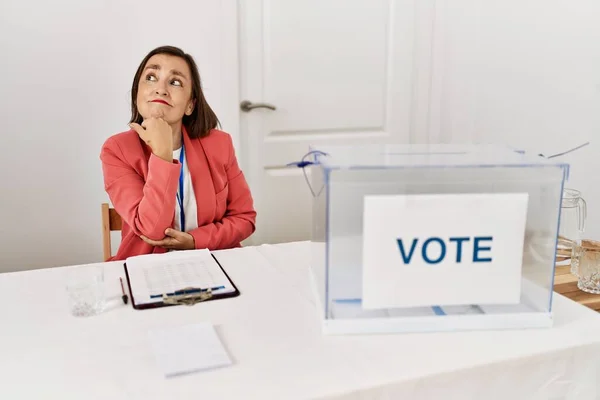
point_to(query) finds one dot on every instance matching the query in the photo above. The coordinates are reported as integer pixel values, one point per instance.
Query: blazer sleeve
(146, 206)
(240, 217)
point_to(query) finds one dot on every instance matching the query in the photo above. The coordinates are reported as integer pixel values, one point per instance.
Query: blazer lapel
(201, 179)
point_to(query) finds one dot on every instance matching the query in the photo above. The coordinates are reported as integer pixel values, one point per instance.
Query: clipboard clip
(188, 296)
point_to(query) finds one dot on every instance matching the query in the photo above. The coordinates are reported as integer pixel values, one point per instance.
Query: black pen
(124, 297)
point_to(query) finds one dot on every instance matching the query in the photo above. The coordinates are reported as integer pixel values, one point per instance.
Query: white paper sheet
(401, 270)
(186, 349)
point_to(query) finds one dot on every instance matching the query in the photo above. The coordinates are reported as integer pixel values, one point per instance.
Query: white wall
(525, 73)
(66, 70)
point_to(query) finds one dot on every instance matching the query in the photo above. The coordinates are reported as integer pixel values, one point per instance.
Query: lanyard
(180, 192)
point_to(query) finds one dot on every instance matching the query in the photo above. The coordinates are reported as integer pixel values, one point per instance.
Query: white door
(336, 71)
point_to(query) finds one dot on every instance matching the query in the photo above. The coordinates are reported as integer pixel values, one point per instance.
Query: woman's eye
(151, 77)
(176, 82)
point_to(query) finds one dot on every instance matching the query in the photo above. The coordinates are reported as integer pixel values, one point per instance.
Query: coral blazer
(143, 187)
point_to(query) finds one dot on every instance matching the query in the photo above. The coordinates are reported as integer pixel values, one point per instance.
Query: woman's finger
(173, 233)
(155, 243)
(171, 243)
(137, 127)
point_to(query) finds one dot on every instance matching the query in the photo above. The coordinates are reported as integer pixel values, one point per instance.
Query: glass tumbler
(588, 256)
(85, 290)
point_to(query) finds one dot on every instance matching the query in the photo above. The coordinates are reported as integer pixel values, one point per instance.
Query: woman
(173, 177)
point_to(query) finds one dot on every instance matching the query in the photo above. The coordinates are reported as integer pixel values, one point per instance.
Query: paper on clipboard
(152, 275)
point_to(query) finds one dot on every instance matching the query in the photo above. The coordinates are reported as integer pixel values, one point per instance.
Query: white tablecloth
(274, 338)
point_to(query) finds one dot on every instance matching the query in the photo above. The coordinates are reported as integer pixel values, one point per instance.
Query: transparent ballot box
(414, 238)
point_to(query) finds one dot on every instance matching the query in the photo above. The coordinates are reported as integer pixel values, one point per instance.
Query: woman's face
(165, 89)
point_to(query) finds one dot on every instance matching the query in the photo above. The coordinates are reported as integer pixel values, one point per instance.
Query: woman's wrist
(167, 156)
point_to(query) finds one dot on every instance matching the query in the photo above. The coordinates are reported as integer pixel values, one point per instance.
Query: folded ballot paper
(187, 349)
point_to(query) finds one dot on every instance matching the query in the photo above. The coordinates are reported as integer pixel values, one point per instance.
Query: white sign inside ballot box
(442, 249)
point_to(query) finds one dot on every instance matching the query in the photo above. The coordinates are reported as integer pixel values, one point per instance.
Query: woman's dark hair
(203, 118)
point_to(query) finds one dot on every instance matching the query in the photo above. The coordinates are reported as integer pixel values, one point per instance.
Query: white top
(273, 336)
(189, 198)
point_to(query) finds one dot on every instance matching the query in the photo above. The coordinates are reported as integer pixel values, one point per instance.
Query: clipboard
(198, 298)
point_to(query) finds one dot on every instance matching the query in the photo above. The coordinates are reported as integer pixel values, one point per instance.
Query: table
(566, 284)
(273, 336)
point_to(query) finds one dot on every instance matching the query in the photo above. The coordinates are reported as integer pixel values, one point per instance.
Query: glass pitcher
(572, 224)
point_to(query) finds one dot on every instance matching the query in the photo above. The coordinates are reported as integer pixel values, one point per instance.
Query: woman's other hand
(174, 239)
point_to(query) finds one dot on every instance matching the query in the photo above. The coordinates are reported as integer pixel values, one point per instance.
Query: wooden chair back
(111, 221)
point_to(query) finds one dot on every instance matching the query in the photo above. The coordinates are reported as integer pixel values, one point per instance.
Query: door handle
(247, 106)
